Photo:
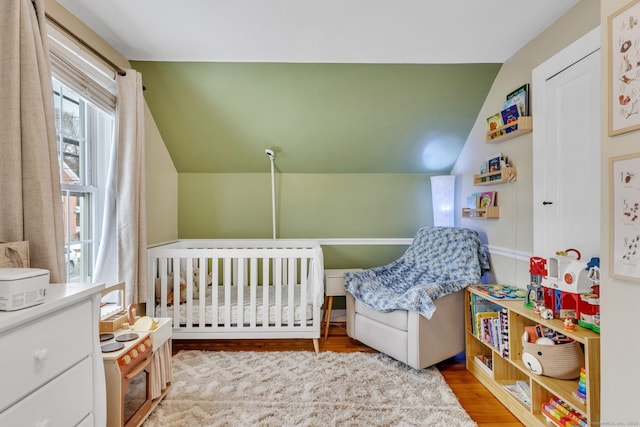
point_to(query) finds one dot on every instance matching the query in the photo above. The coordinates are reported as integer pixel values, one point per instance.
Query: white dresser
(52, 369)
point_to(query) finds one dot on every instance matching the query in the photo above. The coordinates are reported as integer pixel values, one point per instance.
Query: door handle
(547, 203)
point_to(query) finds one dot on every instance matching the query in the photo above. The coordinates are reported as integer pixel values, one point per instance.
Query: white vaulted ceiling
(354, 31)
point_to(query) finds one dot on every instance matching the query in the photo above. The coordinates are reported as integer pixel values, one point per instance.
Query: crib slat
(189, 292)
(202, 291)
(161, 308)
(176, 291)
(253, 283)
(278, 285)
(215, 287)
(303, 291)
(240, 284)
(227, 292)
(152, 277)
(265, 292)
(291, 282)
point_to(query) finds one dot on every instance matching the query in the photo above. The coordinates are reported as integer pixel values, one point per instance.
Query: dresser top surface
(58, 295)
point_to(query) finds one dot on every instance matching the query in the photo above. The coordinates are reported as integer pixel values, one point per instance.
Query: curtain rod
(86, 45)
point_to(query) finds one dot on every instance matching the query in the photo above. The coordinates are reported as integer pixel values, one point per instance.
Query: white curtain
(122, 250)
(30, 194)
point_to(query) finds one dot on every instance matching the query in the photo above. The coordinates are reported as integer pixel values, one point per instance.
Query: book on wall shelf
(472, 201)
(520, 98)
(494, 122)
(510, 116)
(488, 198)
(494, 162)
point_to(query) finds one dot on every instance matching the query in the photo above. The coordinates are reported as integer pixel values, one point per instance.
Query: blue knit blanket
(440, 261)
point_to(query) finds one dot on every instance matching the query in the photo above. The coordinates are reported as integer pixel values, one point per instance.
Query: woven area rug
(304, 389)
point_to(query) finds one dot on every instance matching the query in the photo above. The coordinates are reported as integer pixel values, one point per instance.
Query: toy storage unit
(500, 368)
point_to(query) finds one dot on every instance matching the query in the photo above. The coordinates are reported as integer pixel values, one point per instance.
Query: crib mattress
(302, 313)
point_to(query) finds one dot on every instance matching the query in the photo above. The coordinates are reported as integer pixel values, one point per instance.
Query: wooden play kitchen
(136, 352)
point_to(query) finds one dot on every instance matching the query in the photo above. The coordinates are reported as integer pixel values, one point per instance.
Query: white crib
(238, 288)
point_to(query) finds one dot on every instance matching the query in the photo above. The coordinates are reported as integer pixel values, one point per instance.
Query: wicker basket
(561, 361)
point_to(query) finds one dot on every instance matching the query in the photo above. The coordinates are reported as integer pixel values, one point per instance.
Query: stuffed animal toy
(183, 295)
(183, 287)
(196, 283)
(170, 288)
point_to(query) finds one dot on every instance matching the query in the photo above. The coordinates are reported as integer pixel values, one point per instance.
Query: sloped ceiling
(318, 118)
(331, 86)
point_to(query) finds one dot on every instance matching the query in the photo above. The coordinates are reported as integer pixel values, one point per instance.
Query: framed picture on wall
(624, 69)
(624, 217)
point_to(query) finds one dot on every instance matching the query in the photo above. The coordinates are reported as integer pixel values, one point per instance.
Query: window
(84, 134)
(84, 108)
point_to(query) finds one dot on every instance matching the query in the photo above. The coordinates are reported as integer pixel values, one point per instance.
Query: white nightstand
(333, 286)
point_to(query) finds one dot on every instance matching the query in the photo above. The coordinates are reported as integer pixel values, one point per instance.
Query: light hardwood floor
(479, 403)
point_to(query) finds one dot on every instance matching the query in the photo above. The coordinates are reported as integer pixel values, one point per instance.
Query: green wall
(238, 205)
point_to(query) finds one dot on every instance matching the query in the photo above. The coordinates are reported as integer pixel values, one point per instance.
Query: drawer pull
(43, 423)
(42, 354)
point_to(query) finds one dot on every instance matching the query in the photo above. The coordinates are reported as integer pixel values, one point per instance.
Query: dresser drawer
(39, 351)
(65, 401)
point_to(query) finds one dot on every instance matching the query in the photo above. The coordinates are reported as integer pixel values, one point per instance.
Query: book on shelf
(485, 363)
(481, 305)
(520, 98)
(510, 116)
(488, 198)
(494, 162)
(520, 390)
(494, 122)
(504, 332)
(473, 201)
(501, 291)
(484, 322)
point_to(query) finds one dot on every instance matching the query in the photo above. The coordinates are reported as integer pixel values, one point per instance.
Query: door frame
(564, 59)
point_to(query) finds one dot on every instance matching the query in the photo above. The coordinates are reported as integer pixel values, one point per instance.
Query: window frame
(77, 71)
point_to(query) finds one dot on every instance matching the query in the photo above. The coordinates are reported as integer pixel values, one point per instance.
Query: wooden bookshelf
(522, 126)
(490, 212)
(496, 177)
(510, 368)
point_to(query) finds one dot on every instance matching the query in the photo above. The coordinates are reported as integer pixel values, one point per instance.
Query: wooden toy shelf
(522, 126)
(510, 368)
(496, 177)
(490, 212)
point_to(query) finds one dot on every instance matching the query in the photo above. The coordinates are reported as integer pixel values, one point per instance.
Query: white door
(566, 151)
